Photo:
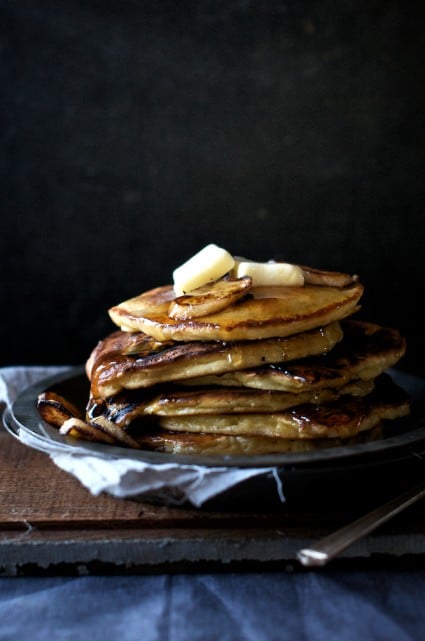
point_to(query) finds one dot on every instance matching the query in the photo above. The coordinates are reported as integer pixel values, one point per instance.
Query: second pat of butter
(270, 274)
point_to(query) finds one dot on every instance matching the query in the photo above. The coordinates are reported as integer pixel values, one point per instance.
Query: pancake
(343, 418)
(131, 361)
(366, 350)
(234, 364)
(305, 428)
(266, 312)
(172, 400)
(184, 443)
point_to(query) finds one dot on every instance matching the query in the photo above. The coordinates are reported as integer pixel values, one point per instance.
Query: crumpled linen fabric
(125, 477)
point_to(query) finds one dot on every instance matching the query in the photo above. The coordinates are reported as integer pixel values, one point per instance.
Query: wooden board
(49, 523)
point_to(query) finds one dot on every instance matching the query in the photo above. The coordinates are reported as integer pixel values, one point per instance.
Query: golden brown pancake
(343, 418)
(366, 350)
(266, 312)
(233, 368)
(174, 400)
(221, 445)
(131, 361)
(311, 424)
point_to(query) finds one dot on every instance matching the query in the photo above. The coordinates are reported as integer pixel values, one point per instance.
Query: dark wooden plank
(50, 523)
(36, 491)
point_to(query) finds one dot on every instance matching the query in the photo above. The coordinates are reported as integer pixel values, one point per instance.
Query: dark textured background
(134, 133)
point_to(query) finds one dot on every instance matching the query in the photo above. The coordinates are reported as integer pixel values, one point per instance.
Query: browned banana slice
(210, 298)
(55, 409)
(80, 429)
(313, 276)
(62, 414)
(115, 432)
(100, 430)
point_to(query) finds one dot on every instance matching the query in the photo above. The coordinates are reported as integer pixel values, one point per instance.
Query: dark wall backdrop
(134, 133)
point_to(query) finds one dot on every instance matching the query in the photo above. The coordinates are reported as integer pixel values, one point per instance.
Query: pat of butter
(269, 274)
(209, 264)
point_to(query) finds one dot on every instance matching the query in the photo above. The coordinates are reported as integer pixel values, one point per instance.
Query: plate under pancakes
(345, 418)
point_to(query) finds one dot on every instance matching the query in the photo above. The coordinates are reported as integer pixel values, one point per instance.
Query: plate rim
(16, 416)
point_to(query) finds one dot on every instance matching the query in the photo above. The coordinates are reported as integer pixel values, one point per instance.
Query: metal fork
(330, 546)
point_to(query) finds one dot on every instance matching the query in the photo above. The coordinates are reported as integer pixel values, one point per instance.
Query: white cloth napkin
(123, 476)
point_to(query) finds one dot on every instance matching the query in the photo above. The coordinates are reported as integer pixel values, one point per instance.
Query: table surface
(51, 524)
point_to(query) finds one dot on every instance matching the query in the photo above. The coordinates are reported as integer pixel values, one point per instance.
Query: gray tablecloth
(327, 605)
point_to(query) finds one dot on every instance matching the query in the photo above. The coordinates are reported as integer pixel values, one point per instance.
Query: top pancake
(266, 312)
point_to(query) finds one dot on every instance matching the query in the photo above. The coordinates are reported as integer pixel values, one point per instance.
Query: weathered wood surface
(49, 523)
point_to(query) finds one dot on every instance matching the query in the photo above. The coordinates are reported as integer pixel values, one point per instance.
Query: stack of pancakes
(237, 369)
